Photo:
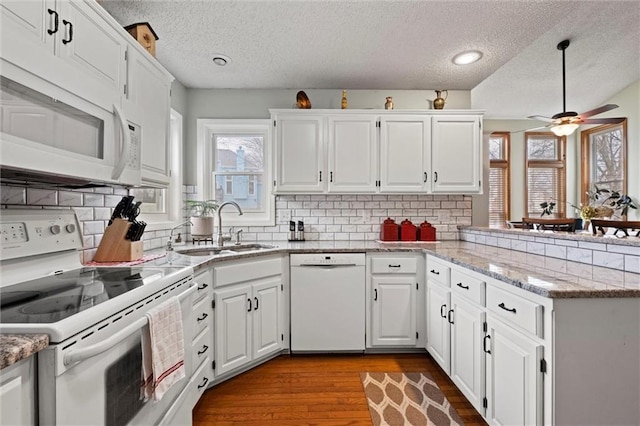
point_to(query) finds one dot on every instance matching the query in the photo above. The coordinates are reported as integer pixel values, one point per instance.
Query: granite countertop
(15, 347)
(546, 276)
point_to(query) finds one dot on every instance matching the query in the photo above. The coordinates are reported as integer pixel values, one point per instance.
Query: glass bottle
(344, 99)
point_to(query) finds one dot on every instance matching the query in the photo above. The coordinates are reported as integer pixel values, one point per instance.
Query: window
(499, 144)
(604, 158)
(162, 207)
(234, 165)
(545, 173)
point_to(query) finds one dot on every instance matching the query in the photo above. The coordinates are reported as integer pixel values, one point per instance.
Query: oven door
(105, 389)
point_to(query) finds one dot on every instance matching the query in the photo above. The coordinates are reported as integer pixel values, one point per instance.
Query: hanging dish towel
(162, 350)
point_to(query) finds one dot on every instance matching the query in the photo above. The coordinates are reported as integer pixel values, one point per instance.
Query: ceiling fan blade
(600, 110)
(616, 120)
(541, 118)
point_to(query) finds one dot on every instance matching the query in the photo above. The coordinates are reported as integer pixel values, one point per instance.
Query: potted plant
(201, 215)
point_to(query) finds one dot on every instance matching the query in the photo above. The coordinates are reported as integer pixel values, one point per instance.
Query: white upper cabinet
(404, 153)
(300, 162)
(67, 43)
(456, 154)
(353, 153)
(148, 104)
(364, 152)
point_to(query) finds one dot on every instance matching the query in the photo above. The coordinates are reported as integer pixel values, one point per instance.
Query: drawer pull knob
(484, 344)
(433, 271)
(501, 305)
(449, 318)
(203, 317)
(395, 266)
(203, 286)
(466, 287)
(205, 348)
(442, 308)
(204, 383)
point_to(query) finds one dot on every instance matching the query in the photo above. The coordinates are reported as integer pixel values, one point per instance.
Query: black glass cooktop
(52, 298)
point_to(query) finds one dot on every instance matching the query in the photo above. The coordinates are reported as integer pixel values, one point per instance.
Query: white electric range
(94, 316)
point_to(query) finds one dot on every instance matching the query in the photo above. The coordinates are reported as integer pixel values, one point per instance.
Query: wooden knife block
(115, 248)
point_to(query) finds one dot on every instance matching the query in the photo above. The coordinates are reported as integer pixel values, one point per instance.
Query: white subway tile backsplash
(579, 255)
(552, 250)
(13, 195)
(608, 260)
(632, 263)
(42, 197)
(70, 198)
(535, 248)
(97, 200)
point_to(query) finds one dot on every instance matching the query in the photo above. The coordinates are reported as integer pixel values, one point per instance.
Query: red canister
(389, 230)
(408, 231)
(427, 232)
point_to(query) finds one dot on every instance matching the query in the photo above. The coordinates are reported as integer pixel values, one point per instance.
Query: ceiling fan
(565, 122)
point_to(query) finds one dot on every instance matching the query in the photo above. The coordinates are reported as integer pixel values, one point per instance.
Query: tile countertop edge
(16, 347)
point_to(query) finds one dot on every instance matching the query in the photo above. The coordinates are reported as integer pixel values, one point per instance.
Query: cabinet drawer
(394, 265)
(201, 315)
(467, 286)
(246, 271)
(201, 347)
(198, 383)
(438, 271)
(516, 310)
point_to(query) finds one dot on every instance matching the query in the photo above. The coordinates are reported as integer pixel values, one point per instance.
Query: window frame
(206, 129)
(586, 159)
(503, 163)
(560, 163)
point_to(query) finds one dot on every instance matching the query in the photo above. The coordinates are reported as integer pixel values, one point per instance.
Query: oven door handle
(93, 350)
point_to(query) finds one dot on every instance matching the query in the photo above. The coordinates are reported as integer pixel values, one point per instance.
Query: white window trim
(206, 127)
(173, 216)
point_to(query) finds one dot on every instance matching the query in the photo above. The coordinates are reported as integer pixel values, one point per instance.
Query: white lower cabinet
(514, 379)
(438, 327)
(455, 321)
(248, 305)
(17, 393)
(394, 285)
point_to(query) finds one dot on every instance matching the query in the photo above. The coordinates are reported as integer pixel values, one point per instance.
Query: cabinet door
(438, 327)
(394, 311)
(68, 44)
(353, 154)
(25, 27)
(267, 328)
(17, 393)
(404, 153)
(514, 380)
(456, 154)
(148, 104)
(300, 164)
(233, 327)
(467, 357)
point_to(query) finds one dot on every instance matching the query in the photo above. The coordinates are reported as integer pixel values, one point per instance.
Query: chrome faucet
(170, 241)
(220, 239)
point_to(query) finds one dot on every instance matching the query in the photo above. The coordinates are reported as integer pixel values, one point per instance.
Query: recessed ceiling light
(221, 60)
(468, 57)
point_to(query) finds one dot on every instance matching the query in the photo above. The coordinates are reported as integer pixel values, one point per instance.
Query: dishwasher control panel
(327, 259)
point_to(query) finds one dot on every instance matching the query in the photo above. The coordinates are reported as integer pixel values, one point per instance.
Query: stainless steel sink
(248, 247)
(215, 251)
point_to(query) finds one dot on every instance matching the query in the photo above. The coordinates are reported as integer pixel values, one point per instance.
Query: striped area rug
(398, 399)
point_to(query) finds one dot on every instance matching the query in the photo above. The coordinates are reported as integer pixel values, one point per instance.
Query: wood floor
(314, 390)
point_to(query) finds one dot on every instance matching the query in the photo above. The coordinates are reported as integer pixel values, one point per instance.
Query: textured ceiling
(388, 44)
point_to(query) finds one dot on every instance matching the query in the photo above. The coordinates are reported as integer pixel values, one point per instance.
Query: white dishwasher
(327, 302)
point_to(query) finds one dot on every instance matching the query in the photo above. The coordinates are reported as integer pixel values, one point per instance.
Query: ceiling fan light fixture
(564, 129)
(467, 57)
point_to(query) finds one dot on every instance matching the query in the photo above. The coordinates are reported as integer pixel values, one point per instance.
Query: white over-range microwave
(49, 131)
